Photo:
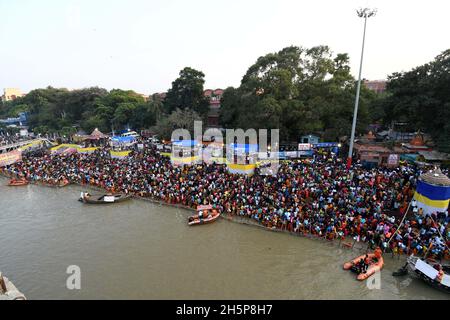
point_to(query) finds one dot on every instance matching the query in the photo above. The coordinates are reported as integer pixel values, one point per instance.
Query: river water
(141, 250)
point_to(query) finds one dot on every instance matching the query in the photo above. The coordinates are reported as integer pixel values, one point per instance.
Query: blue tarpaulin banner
(122, 140)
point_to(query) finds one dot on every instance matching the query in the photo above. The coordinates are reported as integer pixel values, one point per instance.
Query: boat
(17, 182)
(63, 183)
(8, 290)
(103, 199)
(425, 271)
(209, 215)
(375, 265)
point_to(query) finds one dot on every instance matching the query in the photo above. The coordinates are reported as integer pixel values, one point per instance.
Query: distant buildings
(311, 139)
(161, 95)
(146, 97)
(378, 86)
(214, 106)
(10, 94)
(20, 120)
(391, 152)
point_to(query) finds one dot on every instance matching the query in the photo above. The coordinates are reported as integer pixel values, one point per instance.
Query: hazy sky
(142, 45)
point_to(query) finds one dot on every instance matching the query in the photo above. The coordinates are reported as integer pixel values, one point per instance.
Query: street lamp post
(362, 13)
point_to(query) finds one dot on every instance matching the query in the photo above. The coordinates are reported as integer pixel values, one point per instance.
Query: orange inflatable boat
(375, 265)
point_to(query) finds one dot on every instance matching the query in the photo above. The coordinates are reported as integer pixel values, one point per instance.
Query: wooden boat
(209, 215)
(103, 199)
(8, 290)
(16, 182)
(422, 270)
(375, 265)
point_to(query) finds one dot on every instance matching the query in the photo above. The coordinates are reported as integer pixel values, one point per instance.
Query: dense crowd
(316, 196)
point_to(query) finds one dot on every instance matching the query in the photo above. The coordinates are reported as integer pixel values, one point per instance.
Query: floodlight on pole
(362, 13)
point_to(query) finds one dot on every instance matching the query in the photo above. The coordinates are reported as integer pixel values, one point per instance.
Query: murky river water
(141, 250)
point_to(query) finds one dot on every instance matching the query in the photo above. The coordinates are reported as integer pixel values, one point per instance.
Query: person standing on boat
(378, 254)
(365, 263)
(200, 215)
(440, 274)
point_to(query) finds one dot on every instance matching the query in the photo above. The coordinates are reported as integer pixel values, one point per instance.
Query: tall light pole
(362, 13)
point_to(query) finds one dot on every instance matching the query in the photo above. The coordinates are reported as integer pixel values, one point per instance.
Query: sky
(142, 45)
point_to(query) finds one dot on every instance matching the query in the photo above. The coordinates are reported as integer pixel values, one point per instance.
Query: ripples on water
(139, 250)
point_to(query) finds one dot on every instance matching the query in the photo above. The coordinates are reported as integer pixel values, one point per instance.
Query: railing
(13, 146)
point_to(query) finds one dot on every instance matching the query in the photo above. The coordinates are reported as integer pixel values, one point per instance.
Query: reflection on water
(139, 250)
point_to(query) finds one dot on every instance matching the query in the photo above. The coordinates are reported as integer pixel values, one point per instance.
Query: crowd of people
(318, 196)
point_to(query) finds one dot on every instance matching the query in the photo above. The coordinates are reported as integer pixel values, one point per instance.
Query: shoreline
(352, 245)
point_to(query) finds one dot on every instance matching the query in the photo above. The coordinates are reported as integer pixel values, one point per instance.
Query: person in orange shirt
(440, 274)
(378, 253)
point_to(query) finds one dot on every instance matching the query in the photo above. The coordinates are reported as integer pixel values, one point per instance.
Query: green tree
(299, 91)
(123, 114)
(179, 119)
(16, 109)
(187, 92)
(421, 97)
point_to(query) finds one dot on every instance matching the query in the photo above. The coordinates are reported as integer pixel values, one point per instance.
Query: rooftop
(435, 177)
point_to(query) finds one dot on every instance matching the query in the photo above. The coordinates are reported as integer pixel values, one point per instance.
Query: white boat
(423, 270)
(8, 290)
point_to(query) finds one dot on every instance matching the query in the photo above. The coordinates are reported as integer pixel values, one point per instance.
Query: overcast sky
(142, 45)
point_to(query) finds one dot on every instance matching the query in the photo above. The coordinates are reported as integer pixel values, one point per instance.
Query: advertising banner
(304, 146)
(10, 157)
(393, 160)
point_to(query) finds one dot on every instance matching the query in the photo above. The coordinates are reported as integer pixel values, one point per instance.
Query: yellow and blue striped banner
(432, 198)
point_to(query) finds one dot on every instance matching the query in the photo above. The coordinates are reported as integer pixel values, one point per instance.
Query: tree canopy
(57, 110)
(299, 91)
(187, 92)
(421, 98)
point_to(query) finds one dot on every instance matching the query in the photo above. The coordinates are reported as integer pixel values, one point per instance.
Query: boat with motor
(109, 198)
(434, 274)
(205, 214)
(8, 290)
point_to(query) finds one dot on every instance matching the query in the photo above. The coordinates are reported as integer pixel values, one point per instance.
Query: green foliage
(179, 119)
(16, 109)
(68, 131)
(59, 110)
(187, 92)
(421, 97)
(299, 91)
